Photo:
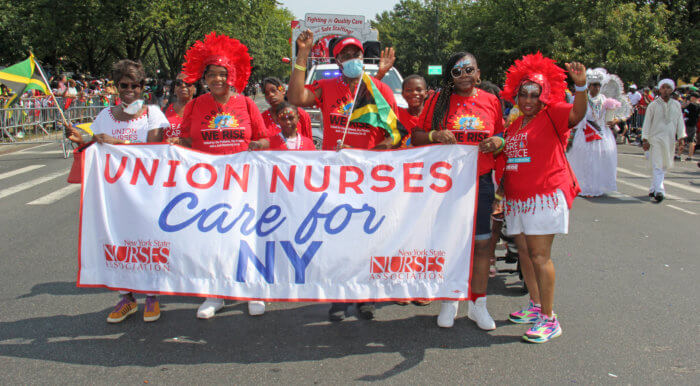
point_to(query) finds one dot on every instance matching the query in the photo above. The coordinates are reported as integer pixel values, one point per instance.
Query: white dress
(595, 163)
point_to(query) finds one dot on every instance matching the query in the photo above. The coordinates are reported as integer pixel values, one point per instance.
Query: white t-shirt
(135, 130)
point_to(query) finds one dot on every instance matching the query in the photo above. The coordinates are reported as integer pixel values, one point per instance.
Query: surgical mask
(134, 107)
(353, 68)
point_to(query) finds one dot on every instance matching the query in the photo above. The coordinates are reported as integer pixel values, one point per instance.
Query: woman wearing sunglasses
(184, 92)
(130, 122)
(538, 184)
(461, 113)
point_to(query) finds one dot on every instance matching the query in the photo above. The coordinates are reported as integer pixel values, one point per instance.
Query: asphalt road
(627, 277)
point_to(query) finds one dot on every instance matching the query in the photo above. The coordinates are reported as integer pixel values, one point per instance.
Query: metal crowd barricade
(37, 120)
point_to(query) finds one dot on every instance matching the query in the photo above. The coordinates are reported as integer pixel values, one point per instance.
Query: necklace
(596, 104)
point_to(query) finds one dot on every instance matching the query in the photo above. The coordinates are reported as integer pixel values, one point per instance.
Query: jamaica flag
(371, 108)
(21, 77)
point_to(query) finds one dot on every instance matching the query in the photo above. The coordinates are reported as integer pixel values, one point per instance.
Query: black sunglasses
(460, 71)
(127, 86)
(182, 83)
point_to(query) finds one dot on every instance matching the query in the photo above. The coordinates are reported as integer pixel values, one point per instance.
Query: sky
(367, 8)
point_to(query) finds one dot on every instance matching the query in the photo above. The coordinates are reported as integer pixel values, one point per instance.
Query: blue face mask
(353, 68)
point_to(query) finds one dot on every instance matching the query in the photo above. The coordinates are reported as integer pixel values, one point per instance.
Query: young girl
(287, 117)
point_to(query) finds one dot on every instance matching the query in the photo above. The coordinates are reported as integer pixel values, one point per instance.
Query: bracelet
(581, 88)
(299, 67)
(498, 197)
(430, 135)
(503, 144)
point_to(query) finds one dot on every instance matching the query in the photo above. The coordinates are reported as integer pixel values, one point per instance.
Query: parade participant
(461, 113)
(130, 122)
(414, 90)
(274, 93)
(538, 184)
(221, 121)
(593, 154)
(184, 92)
(287, 116)
(663, 125)
(691, 111)
(335, 97)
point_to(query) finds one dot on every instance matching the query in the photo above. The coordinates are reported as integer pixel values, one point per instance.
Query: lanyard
(298, 145)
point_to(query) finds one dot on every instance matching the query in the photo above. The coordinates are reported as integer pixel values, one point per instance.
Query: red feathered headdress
(218, 50)
(538, 69)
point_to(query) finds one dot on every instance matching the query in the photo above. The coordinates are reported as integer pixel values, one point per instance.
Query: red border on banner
(289, 300)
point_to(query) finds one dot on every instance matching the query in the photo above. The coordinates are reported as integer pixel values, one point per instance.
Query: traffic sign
(435, 70)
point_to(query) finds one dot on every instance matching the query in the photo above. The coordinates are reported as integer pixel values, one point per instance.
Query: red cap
(347, 41)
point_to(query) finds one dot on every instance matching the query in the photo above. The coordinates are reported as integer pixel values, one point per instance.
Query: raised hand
(305, 41)
(387, 59)
(577, 72)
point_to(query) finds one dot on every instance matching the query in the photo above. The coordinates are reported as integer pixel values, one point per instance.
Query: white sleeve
(101, 124)
(680, 125)
(648, 120)
(156, 118)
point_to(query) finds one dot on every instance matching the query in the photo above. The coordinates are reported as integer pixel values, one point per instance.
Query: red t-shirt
(303, 127)
(471, 120)
(335, 103)
(175, 122)
(535, 160)
(277, 142)
(222, 129)
(409, 122)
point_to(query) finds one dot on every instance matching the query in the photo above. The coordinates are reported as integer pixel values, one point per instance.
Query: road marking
(622, 196)
(666, 195)
(55, 196)
(43, 152)
(20, 171)
(30, 184)
(681, 209)
(666, 182)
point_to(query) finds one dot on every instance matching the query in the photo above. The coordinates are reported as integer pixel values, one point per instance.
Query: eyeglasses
(182, 83)
(127, 86)
(460, 71)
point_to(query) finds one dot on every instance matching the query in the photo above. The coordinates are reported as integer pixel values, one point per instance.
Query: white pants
(657, 181)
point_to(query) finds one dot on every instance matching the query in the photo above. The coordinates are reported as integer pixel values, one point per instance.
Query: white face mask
(134, 107)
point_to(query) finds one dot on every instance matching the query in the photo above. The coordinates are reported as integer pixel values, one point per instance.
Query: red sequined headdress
(218, 50)
(537, 69)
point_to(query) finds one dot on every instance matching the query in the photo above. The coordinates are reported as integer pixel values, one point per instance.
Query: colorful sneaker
(124, 308)
(543, 331)
(529, 314)
(152, 311)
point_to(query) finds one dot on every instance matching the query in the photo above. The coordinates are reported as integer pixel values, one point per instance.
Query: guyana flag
(21, 77)
(371, 108)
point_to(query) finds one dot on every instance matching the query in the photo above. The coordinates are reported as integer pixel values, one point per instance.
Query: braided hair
(447, 84)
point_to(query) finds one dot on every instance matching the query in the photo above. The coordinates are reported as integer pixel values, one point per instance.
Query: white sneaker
(448, 312)
(256, 308)
(478, 313)
(209, 308)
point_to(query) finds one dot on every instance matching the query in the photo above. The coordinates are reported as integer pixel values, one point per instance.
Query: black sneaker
(689, 158)
(676, 158)
(366, 310)
(337, 312)
(651, 194)
(659, 197)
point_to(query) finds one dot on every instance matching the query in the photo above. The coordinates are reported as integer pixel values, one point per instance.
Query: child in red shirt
(287, 117)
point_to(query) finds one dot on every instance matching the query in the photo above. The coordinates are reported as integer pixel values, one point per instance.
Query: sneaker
(529, 314)
(337, 312)
(651, 194)
(477, 312)
(152, 311)
(209, 308)
(366, 310)
(688, 158)
(676, 158)
(543, 331)
(256, 308)
(448, 312)
(124, 308)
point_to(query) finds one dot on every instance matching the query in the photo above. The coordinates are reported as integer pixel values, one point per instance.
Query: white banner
(284, 226)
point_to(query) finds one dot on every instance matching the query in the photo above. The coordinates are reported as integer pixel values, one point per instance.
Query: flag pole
(347, 124)
(48, 86)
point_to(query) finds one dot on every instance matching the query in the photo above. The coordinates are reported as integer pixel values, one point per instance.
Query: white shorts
(540, 215)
